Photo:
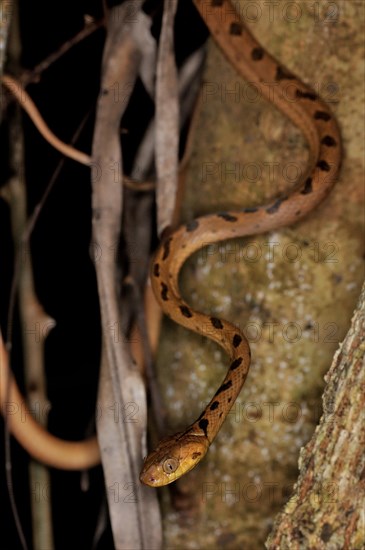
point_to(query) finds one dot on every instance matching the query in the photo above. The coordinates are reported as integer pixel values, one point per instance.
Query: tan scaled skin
(177, 454)
(173, 456)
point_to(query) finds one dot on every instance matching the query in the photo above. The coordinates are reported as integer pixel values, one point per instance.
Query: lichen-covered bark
(327, 507)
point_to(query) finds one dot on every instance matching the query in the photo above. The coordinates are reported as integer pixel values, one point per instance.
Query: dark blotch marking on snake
(236, 363)
(322, 115)
(307, 187)
(164, 290)
(323, 165)
(282, 74)
(191, 226)
(186, 311)
(214, 405)
(156, 270)
(217, 323)
(227, 217)
(306, 95)
(257, 54)
(203, 425)
(195, 455)
(217, 3)
(235, 28)
(237, 339)
(250, 210)
(224, 387)
(329, 141)
(275, 207)
(166, 248)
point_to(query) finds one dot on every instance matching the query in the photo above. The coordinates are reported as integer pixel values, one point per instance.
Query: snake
(177, 454)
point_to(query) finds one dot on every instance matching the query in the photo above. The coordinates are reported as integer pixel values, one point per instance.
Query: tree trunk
(327, 507)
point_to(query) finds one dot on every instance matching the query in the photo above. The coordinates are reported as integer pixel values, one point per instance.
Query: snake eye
(170, 465)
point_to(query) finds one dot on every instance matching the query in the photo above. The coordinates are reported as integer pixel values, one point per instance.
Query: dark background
(63, 271)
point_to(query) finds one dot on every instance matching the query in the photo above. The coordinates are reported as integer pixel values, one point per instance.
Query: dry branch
(6, 8)
(122, 444)
(167, 120)
(32, 318)
(31, 312)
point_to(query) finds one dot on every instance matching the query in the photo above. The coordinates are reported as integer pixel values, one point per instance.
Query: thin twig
(33, 75)
(30, 108)
(9, 470)
(27, 233)
(24, 99)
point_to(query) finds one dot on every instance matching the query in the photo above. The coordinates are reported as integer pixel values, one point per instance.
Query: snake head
(173, 457)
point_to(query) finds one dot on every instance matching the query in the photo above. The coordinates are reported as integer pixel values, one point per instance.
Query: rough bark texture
(327, 507)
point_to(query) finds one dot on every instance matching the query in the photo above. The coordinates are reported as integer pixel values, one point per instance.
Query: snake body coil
(177, 454)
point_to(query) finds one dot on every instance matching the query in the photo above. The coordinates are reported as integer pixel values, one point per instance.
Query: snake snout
(148, 479)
